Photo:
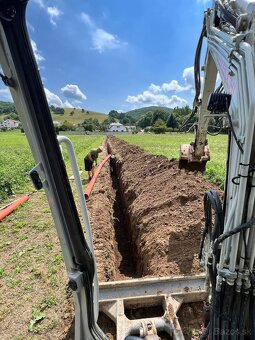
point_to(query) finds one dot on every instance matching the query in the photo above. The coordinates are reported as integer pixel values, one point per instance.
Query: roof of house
(116, 124)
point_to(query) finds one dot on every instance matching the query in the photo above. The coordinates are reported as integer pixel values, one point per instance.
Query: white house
(117, 127)
(9, 124)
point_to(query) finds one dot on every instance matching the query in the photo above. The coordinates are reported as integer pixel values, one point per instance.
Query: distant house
(9, 124)
(117, 127)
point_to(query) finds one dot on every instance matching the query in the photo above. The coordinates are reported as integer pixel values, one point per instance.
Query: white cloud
(148, 98)
(37, 54)
(68, 104)
(73, 92)
(101, 39)
(40, 3)
(86, 19)
(54, 13)
(203, 1)
(53, 99)
(188, 76)
(5, 95)
(154, 88)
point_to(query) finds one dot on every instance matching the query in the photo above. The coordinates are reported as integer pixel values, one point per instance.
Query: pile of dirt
(162, 213)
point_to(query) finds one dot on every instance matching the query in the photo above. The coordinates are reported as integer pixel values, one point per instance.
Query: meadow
(16, 160)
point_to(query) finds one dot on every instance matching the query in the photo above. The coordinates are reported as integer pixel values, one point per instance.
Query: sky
(115, 55)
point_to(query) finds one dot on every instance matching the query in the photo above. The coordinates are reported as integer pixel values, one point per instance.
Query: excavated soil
(146, 215)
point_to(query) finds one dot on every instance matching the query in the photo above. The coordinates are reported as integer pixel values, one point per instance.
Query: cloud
(148, 98)
(86, 19)
(68, 104)
(101, 39)
(53, 99)
(38, 56)
(73, 92)
(40, 3)
(5, 95)
(154, 88)
(203, 1)
(156, 94)
(54, 13)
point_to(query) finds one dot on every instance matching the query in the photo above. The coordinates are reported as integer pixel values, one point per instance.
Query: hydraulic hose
(93, 180)
(226, 310)
(252, 316)
(244, 310)
(133, 337)
(235, 314)
(12, 206)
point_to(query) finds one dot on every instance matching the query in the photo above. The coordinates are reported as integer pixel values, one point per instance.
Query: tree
(145, 121)
(59, 111)
(172, 122)
(82, 110)
(159, 126)
(158, 114)
(114, 114)
(66, 126)
(125, 121)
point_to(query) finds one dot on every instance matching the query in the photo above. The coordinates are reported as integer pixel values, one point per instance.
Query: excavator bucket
(188, 160)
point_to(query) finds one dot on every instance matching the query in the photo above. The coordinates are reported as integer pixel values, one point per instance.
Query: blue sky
(111, 54)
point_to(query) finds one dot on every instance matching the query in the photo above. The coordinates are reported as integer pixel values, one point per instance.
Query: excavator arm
(227, 248)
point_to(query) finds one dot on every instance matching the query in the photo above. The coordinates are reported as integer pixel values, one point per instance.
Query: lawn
(16, 160)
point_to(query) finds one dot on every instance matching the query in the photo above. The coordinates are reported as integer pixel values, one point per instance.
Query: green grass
(78, 116)
(16, 161)
(168, 145)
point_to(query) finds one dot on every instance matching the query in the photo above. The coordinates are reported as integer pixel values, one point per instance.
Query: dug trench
(146, 216)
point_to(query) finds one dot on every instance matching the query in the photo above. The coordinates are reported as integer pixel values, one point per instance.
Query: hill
(78, 116)
(73, 116)
(138, 113)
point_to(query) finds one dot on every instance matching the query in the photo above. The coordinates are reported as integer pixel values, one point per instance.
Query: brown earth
(162, 215)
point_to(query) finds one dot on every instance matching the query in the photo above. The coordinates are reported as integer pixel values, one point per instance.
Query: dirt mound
(162, 208)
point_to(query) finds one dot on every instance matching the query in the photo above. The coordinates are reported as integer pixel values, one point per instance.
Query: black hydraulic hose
(243, 314)
(197, 77)
(235, 315)
(252, 316)
(133, 337)
(215, 316)
(226, 311)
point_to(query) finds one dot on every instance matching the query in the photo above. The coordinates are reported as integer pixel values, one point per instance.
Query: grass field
(78, 116)
(16, 159)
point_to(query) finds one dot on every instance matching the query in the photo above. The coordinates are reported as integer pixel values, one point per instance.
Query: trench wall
(163, 208)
